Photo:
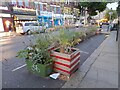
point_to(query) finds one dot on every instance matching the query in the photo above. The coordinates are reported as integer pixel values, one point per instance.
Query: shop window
(26, 3)
(58, 10)
(44, 7)
(14, 2)
(41, 7)
(51, 8)
(20, 2)
(55, 10)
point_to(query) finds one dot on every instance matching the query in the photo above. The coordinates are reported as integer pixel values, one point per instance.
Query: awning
(44, 16)
(26, 17)
(58, 16)
(4, 15)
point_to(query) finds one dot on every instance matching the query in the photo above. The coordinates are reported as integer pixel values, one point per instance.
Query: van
(28, 27)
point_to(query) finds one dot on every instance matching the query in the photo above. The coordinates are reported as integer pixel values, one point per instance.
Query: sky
(112, 5)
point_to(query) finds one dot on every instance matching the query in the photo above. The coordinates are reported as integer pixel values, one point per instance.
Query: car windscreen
(29, 24)
(37, 24)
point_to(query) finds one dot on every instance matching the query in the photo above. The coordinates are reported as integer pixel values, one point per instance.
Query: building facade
(53, 12)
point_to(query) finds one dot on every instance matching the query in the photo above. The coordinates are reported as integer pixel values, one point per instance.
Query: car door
(28, 26)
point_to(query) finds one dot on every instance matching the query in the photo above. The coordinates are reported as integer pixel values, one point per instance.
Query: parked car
(105, 23)
(28, 27)
(78, 24)
(114, 25)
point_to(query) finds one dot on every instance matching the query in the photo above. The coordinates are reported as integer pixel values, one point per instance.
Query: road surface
(21, 78)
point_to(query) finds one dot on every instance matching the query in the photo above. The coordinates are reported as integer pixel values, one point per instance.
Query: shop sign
(4, 15)
(45, 13)
(62, 0)
(26, 11)
(58, 15)
(3, 8)
(68, 16)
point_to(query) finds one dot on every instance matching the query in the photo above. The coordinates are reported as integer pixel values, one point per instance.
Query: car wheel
(29, 32)
(22, 33)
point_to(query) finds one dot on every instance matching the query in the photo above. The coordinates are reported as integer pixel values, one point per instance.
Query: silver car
(28, 27)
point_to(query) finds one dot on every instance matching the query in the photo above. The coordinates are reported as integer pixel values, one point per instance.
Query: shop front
(68, 19)
(23, 15)
(58, 19)
(5, 19)
(45, 18)
(50, 18)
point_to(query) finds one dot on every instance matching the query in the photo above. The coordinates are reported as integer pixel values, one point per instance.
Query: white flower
(37, 49)
(30, 48)
(30, 54)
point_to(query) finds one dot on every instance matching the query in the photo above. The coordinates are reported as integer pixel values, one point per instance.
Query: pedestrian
(45, 27)
(108, 27)
(100, 24)
(10, 29)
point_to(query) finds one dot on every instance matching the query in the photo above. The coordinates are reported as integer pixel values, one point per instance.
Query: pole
(85, 21)
(117, 30)
(98, 13)
(118, 26)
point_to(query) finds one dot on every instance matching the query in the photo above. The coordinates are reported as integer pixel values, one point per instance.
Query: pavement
(2, 34)
(7, 34)
(100, 70)
(0, 67)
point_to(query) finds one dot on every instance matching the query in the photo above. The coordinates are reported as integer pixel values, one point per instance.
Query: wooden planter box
(66, 64)
(52, 47)
(39, 69)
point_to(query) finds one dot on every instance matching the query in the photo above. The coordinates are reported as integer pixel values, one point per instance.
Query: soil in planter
(72, 50)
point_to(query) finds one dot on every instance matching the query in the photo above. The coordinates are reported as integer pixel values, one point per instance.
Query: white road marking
(19, 67)
(84, 52)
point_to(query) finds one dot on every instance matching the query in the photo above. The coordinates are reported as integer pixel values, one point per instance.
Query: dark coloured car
(114, 27)
(105, 23)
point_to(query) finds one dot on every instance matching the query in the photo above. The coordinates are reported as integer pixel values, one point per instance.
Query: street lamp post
(85, 20)
(110, 13)
(118, 26)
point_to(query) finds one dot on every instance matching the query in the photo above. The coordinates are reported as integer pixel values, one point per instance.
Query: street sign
(110, 13)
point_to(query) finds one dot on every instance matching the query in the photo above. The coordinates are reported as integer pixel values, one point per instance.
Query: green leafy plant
(37, 52)
(90, 31)
(65, 40)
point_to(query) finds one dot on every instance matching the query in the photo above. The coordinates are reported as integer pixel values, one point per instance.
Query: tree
(113, 16)
(92, 7)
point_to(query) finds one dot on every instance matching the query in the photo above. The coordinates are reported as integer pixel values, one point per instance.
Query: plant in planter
(77, 38)
(37, 57)
(82, 35)
(66, 59)
(91, 30)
